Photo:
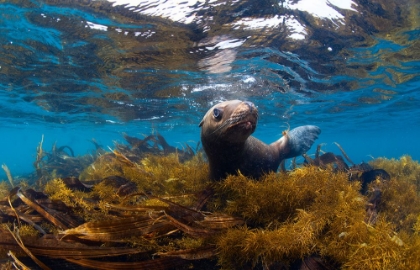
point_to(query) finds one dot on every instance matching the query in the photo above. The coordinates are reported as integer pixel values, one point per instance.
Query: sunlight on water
(110, 161)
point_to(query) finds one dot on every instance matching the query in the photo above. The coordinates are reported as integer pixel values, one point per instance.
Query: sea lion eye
(217, 113)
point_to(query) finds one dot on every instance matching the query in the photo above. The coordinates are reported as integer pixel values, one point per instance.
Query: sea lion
(225, 135)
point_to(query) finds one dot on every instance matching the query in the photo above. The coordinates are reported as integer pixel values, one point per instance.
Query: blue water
(73, 72)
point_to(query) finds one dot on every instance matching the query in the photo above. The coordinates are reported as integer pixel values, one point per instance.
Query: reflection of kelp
(139, 61)
(153, 211)
(392, 22)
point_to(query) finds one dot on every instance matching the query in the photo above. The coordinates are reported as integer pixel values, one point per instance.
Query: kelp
(277, 196)
(8, 174)
(154, 174)
(403, 169)
(150, 231)
(59, 162)
(118, 229)
(62, 162)
(289, 214)
(401, 198)
(312, 211)
(143, 206)
(157, 264)
(54, 247)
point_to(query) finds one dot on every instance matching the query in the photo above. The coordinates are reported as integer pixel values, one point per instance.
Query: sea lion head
(231, 121)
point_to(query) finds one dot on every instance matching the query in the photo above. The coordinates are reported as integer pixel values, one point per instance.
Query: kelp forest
(148, 205)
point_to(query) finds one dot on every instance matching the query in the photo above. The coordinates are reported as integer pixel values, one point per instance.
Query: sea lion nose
(250, 105)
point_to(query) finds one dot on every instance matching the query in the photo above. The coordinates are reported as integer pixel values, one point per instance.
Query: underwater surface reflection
(97, 69)
(101, 102)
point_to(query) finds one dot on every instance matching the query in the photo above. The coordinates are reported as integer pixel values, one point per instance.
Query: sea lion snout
(245, 117)
(250, 105)
(230, 121)
(226, 137)
(245, 111)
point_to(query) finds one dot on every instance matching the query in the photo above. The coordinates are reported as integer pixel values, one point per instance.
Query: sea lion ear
(201, 123)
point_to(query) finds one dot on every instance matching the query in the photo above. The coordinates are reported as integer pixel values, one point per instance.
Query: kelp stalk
(9, 175)
(16, 236)
(39, 156)
(17, 261)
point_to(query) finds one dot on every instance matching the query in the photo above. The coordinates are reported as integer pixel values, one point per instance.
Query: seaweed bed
(148, 205)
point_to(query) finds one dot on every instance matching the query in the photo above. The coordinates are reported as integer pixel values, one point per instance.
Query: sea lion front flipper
(300, 139)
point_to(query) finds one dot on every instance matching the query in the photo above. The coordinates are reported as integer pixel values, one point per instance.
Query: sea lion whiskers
(223, 125)
(232, 121)
(229, 146)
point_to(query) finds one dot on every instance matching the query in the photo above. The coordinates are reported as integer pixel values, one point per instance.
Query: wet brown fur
(229, 146)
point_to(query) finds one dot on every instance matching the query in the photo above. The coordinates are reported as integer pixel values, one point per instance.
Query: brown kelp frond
(50, 246)
(318, 149)
(59, 162)
(153, 144)
(180, 211)
(196, 232)
(344, 153)
(8, 174)
(117, 230)
(203, 197)
(142, 208)
(16, 262)
(39, 157)
(204, 252)
(327, 159)
(332, 156)
(156, 264)
(220, 221)
(122, 158)
(10, 211)
(35, 207)
(16, 236)
(74, 183)
(55, 217)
